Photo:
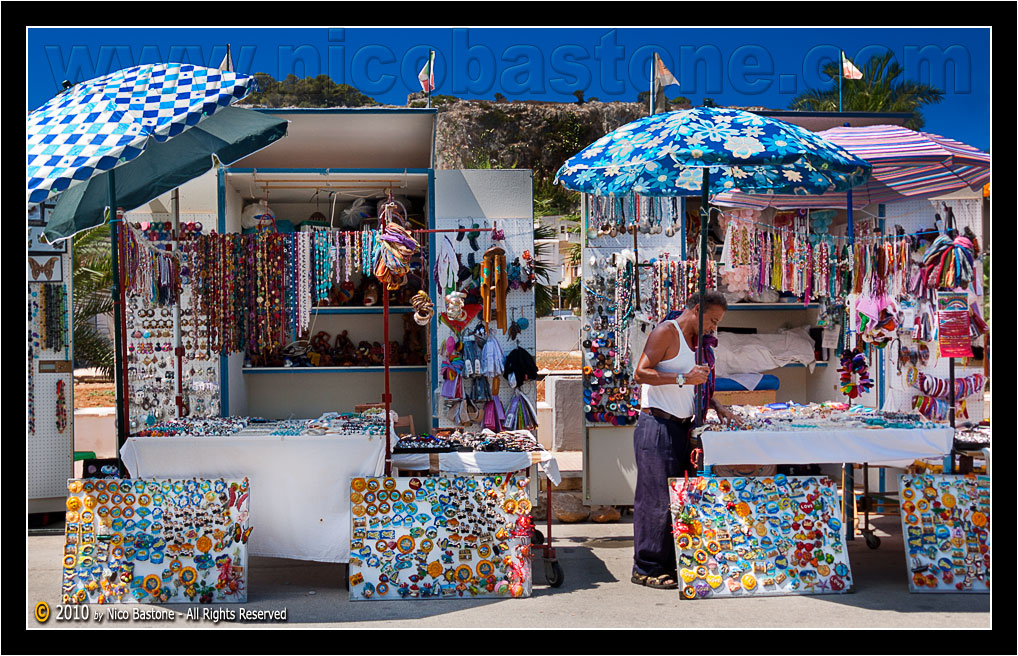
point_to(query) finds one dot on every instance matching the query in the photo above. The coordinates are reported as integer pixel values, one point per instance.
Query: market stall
(272, 310)
(828, 288)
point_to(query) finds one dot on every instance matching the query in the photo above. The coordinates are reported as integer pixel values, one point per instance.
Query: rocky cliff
(533, 135)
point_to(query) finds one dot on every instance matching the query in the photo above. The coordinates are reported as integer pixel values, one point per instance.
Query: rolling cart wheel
(553, 572)
(872, 541)
(537, 537)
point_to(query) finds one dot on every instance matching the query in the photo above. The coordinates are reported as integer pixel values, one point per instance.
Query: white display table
(480, 462)
(300, 486)
(888, 447)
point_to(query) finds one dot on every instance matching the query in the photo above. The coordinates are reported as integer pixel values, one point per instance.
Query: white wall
(475, 193)
(558, 334)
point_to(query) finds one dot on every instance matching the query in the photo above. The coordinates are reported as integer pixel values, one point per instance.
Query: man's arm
(653, 353)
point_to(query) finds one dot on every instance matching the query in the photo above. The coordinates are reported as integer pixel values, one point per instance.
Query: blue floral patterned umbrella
(666, 154)
(103, 123)
(705, 151)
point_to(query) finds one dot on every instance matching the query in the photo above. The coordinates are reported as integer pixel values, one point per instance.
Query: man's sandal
(662, 582)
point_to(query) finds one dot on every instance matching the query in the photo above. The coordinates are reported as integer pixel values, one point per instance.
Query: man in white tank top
(670, 380)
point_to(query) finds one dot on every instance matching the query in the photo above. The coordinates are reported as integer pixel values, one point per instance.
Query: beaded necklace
(33, 348)
(61, 406)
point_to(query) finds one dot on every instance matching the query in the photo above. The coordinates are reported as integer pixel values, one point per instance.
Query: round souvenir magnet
(358, 511)
(90, 501)
(188, 575)
(405, 544)
(389, 484)
(485, 569)
(908, 493)
(700, 556)
(74, 487)
(408, 496)
(373, 485)
(948, 500)
(370, 497)
(689, 592)
(427, 545)
(73, 503)
(524, 506)
(464, 573)
(358, 484)
(356, 497)
(88, 486)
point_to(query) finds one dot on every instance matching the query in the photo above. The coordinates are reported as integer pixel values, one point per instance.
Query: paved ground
(596, 560)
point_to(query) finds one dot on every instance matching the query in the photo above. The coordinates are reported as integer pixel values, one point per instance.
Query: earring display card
(440, 537)
(758, 537)
(156, 541)
(945, 521)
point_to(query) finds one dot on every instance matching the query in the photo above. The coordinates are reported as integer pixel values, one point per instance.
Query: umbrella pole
(118, 319)
(704, 214)
(178, 348)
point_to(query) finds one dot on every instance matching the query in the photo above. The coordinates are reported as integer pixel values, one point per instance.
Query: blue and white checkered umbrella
(97, 125)
(665, 155)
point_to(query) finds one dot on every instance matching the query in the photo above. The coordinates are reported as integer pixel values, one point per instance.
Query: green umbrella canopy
(230, 134)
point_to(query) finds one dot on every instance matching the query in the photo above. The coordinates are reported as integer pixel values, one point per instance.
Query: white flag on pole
(848, 69)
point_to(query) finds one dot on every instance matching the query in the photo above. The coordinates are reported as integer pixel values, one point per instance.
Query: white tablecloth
(889, 447)
(300, 486)
(480, 462)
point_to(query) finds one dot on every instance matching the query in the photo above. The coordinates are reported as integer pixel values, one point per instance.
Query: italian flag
(427, 74)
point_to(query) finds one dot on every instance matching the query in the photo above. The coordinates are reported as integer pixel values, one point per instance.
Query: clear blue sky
(735, 66)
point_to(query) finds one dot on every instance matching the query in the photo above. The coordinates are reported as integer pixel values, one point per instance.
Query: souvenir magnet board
(758, 537)
(156, 541)
(446, 537)
(945, 522)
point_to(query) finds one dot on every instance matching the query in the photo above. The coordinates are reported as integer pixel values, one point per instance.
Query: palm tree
(879, 90)
(93, 282)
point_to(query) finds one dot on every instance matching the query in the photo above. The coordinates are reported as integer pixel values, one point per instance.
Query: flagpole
(431, 73)
(841, 74)
(653, 67)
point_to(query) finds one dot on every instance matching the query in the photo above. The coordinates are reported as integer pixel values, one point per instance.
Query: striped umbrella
(906, 164)
(100, 124)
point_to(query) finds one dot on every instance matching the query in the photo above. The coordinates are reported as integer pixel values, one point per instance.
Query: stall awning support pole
(701, 399)
(119, 361)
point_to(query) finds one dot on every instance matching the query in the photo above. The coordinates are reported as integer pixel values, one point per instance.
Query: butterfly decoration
(45, 268)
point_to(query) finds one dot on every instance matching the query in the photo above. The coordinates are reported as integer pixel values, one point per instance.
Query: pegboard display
(618, 314)
(914, 216)
(153, 370)
(445, 537)
(462, 255)
(155, 541)
(758, 537)
(50, 378)
(946, 524)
